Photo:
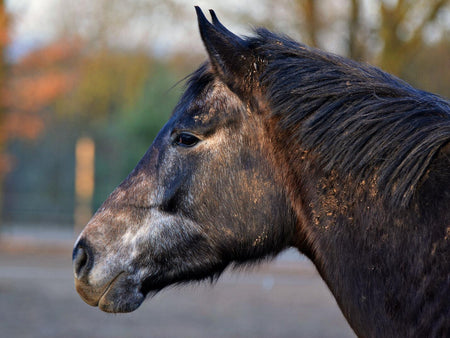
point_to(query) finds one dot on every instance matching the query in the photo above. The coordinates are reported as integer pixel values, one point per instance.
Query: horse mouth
(116, 296)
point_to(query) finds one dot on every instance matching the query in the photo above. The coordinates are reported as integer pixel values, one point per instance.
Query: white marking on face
(148, 230)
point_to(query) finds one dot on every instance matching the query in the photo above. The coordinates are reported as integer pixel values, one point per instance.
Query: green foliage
(107, 81)
(131, 131)
(429, 69)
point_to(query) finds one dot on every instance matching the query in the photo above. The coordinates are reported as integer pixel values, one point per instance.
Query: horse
(272, 145)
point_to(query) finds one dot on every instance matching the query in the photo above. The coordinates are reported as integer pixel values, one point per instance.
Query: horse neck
(378, 261)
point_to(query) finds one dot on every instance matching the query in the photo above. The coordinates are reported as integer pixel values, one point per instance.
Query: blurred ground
(284, 298)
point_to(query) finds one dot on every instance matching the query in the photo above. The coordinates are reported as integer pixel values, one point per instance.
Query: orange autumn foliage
(31, 85)
(32, 93)
(4, 36)
(21, 125)
(60, 52)
(35, 83)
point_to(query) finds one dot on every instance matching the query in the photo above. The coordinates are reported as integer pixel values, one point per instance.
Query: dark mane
(357, 118)
(197, 82)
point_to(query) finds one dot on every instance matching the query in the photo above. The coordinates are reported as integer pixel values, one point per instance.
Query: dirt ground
(284, 298)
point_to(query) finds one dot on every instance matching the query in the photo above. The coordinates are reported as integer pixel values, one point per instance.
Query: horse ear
(229, 54)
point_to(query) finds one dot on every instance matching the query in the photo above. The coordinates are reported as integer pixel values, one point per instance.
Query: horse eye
(186, 140)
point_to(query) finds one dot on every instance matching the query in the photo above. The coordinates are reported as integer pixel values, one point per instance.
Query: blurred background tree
(108, 69)
(3, 43)
(27, 88)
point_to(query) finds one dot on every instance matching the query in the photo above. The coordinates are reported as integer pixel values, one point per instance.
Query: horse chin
(119, 296)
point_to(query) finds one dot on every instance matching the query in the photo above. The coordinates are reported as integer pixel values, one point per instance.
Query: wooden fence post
(84, 181)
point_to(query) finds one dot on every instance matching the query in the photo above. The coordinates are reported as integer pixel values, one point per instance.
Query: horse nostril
(82, 259)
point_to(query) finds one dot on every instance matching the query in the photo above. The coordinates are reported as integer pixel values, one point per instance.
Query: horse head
(204, 196)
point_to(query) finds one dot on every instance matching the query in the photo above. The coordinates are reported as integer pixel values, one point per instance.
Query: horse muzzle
(113, 292)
